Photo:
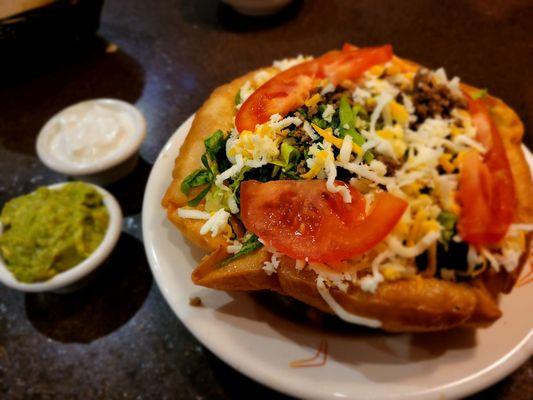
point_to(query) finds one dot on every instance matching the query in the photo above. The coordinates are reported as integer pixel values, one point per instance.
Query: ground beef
(301, 168)
(300, 136)
(431, 99)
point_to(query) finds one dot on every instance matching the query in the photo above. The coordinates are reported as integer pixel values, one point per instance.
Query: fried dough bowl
(417, 304)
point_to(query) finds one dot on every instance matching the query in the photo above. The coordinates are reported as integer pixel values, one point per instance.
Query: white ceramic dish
(111, 168)
(68, 280)
(358, 365)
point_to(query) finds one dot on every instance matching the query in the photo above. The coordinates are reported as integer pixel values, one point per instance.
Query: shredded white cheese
(308, 129)
(360, 95)
(469, 142)
(287, 63)
(230, 172)
(190, 213)
(382, 101)
(216, 223)
(412, 251)
(453, 84)
(346, 149)
(271, 267)
(365, 171)
(261, 77)
(278, 123)
(235, 247)
(232, 203)
(328, 113)
(329, 88)
(341, 312)
(331, 173)
(370, 283)
(245, 91)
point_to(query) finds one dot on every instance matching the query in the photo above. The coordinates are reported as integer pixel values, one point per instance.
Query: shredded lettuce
(197, 178)
(347, 122)
(359, 109)
(250, 244)
(214, 143)
(321, 123)
(447, 220)
(289, 154)
(214, 159)
(216, 199)
(368, 156)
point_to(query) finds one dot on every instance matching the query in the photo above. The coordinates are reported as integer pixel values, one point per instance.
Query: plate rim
(471, 384)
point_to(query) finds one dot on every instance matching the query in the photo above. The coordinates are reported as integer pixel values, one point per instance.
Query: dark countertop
(117, 338)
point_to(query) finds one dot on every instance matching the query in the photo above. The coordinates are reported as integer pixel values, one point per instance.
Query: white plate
(360, 363)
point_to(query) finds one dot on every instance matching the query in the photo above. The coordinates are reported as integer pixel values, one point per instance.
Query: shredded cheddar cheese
(337, 142)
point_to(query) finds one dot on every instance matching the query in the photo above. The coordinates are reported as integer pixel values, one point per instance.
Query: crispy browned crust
(407, 305)
(415, 305)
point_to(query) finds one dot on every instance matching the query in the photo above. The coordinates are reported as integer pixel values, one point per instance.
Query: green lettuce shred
(250, 244)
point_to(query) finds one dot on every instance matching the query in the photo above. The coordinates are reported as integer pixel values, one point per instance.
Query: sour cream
(91, 136)
(90, 132)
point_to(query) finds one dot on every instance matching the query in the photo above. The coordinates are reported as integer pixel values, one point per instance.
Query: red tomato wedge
(288, 90)
(302, 219)
(486, 186)
(351, 64)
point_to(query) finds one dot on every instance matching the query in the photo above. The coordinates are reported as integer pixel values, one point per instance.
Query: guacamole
(51, 230)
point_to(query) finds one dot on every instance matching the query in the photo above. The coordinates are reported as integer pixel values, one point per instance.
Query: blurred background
(117, 338)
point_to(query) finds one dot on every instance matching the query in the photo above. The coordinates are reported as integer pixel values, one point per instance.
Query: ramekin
(69, 280)
(107, 171)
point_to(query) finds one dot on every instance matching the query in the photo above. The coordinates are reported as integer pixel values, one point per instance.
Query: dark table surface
(117, 338)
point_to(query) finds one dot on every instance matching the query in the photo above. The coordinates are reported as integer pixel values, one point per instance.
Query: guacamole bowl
(71, 278)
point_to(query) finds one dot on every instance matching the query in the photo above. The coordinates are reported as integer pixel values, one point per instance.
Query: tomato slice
(302, 219)
(486, 186)
(351, 64)
(288, 90)
(279, 96)
(475, 186)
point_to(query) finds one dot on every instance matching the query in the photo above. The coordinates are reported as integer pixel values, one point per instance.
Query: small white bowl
(66, 280)
(111, 168)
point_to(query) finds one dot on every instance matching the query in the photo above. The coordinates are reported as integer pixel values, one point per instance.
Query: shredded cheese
(346, 149)
(331, 172)
(328, 113)
(216, 223)
(412, 251)
(235, 247)
(232, 171)
(271, 267)
(329, 88)
(366, 171)
(308, 129)
(190, 213)
(382, 101)
(370, 283)
(287, 63)
(341, 312)
(337, 142)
